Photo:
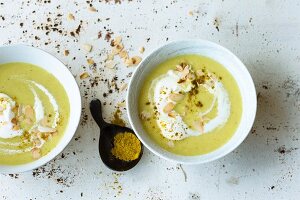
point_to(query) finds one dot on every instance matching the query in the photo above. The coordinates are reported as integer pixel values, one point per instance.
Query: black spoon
(106, 140)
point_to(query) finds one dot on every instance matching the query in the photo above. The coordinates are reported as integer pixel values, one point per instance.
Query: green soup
(39, 113)
(190, 105)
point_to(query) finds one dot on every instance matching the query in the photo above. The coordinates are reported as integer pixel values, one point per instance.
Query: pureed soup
(34, 112)
(190, 105)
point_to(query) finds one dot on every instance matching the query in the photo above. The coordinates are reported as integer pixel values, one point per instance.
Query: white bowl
(27, 54)
(204, 48)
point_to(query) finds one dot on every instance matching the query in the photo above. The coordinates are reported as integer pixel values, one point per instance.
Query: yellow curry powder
(127, 146)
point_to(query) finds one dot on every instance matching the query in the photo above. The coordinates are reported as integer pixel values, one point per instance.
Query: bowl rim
(64, 141)
(191, 161)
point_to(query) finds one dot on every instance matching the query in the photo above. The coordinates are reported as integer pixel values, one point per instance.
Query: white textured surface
(264, 34)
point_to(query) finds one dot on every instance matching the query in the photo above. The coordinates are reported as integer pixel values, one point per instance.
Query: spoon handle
(95, 108)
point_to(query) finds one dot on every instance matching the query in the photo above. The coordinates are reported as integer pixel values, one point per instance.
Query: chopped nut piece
(179, 68)
(117, 41)
(142, 49)
(176, 97)
(124, 54)
(70, 17)
(145, 115)
(14, 120)
(191, 76)
(66, 52)
(36, 153)
(92, 9)
(172, 114)
(123, 87)
(200, 73)
(87, 47)
(84, 75)
(90, 61)
(121, 104)
(133, 61)
(15, 127)
(29, 112)
(45, 129)
(169, 107)
(110, 64)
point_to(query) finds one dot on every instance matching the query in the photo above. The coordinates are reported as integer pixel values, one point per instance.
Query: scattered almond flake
(36, 153)
(87, 47)
(54, 133)
(20, 110)
(45, 129)
(70, 17)
(84, 75)
(169, 107)
(170, 143)
(37, 142)
(185, 72)
(176, 97)
(191, 76)
(123, 54)
(200, 73)
(123, 86)
(29, 112)
(110, 56)
(118, 48)
(172, 114)
(28, 121)
(145, 115)
(117, 40)
(191, 13)
(121, 104)
(142, 49)
(14, 120)
(66, 52)
(15, 127)
(133, 61)
(90, 61)
(110, 64)
(92, 9)
(179, 68)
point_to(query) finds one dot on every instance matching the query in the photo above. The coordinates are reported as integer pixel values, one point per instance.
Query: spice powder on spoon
(127, 146)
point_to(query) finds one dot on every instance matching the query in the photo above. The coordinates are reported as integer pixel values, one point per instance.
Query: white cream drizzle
(6, 130)
(174, 128)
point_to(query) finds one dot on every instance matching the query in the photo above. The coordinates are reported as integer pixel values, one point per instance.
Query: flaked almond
(191, 76)
(117, 40)
(179, 68)
(66, 52)
(45, 129)
(110, 64)
(176, 97)
(123, 86)
(133, 61)
(185, 72)
(14, 120)
(90, 61)
(142, 49)
(70, 17)
(15, 127)
(110, 57)
(87, 47)
(28, 121)
(37, 142)
(119, 47)
(92, 9)
(36, 153)
(123, 54)
(169, 107)
(172, 114)
(121, 104)
(29, 112)
(145, 115)
(84, 75)
(200, 73)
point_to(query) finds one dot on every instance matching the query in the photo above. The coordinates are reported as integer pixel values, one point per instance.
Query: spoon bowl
(106, 140)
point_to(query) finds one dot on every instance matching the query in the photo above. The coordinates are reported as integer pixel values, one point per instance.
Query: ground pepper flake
(127, 146)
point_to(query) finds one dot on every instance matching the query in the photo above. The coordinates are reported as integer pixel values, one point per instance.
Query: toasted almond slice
(136, 60)
(45, 129)
(123, 54)
(176, 97)
(179, 68)
(117, 40)
(66, 52)
(123, 86)
(15, 127)
(191, 76)
(169, 107)
(87, 47)
(20, 110)
(14, 109)
(36, 153)
(110, 56)
(119, 47)
(145, 115)
(172, 114)
(170, 143)
(70, 17)
(121, 104)
(110, 64)
(90, 61)
(29, 112)
(14, 120)
(92, 9)
(200, 72)
(84, 75)
(142, 49)
(185, 72)
(37, 142)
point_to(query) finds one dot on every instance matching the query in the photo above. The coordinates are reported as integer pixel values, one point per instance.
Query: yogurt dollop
(171, 124)
(7, 129)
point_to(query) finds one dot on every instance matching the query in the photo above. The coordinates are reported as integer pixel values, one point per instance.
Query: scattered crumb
(90, 61)
(84, 75)
(66, 52)
(142, 49)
